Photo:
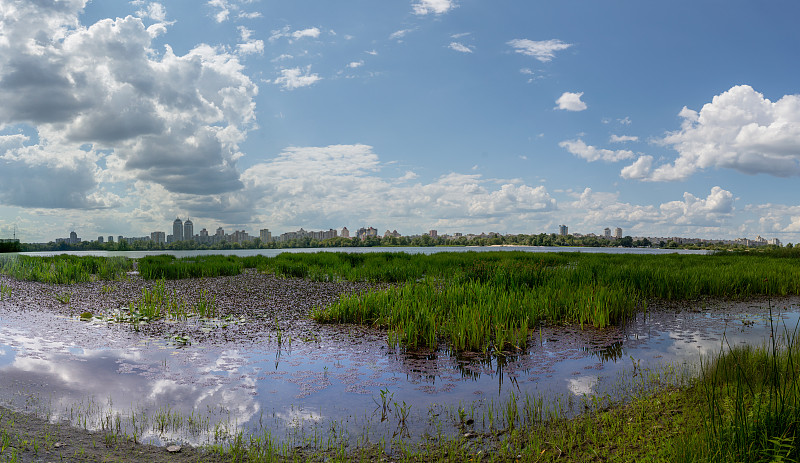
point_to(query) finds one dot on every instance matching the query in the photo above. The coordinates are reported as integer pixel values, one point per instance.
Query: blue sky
(668, 119)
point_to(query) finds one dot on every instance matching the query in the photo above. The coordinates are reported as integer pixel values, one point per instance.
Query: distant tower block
(563, 230)
(188, 229)
(177, 230)
(618, 233)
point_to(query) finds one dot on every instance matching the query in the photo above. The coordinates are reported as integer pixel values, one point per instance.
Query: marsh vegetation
(744, 406)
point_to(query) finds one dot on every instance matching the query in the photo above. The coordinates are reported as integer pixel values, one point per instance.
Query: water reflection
(95, 374)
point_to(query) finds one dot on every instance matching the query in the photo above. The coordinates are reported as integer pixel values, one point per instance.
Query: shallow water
(352, 386)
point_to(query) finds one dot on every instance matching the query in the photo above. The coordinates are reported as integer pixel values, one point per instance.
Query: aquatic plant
(64, 269)
(171, 268)
(752, 402)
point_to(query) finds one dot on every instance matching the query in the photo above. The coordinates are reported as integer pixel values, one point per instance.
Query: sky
(665, 119)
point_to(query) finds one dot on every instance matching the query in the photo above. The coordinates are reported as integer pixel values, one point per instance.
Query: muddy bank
(27, 438)
(251, 305)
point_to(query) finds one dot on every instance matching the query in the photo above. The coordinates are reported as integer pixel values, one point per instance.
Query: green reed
(491, 301)
(157, 303)
(64, 269)
(171, 268)
(751, 398)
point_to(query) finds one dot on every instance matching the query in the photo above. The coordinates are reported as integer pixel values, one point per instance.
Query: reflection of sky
(319, 385)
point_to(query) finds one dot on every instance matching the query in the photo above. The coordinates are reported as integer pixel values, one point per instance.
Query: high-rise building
(345, 232)
(265, 235)
(618, 233)
(177, 229)
(100, 239)
(158, 237)
(563, 230)
(607, 233)
(433, 233)
(188, 229)
(110, 239)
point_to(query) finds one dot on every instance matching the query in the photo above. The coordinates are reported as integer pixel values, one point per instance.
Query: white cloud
(174, 120)
(356, 64)
(459, 47)
(639, 170)
(598, 209)
(312, 32)
(622, 138)
(309, 183)
(224, 8)
(424, 7)
(570, 102)
(591, 153)
(249, 45)
(699, 212)
(286, 32)
(372, 52)
(293, 78)
(398, 35)
(154, 11)
(543, 51)
(740, 130)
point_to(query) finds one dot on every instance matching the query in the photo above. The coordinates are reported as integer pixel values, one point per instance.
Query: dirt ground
(25, 438)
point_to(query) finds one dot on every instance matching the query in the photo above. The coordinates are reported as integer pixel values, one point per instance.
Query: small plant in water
(63, 297)
(5, 291)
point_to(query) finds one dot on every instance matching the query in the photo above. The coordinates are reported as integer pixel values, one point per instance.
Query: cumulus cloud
(569, 101)
(697, 211)
(424, 7)
(293, 78)
(312, 32)
(311, 182)
(356, 64)
(598, 208)
(740, 130)
(154, 11)
(460, 47)
(639, 170)
(591, 153)
(543, 51)
(105, 87)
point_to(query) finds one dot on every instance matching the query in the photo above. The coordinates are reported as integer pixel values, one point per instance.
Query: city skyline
(678, 119)
(182, 231)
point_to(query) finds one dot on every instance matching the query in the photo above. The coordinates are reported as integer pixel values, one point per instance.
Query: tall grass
(64, 269)
(752, 398)
(171, 268)
(481, 301)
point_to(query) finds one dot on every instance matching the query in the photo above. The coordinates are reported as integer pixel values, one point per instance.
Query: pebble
(174, 448)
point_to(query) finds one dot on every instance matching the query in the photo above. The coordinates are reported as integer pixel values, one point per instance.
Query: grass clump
(64, 269)
(171, 268)
(752, 403)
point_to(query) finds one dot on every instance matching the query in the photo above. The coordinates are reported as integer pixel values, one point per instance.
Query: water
(348, 384)
(409, 250)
